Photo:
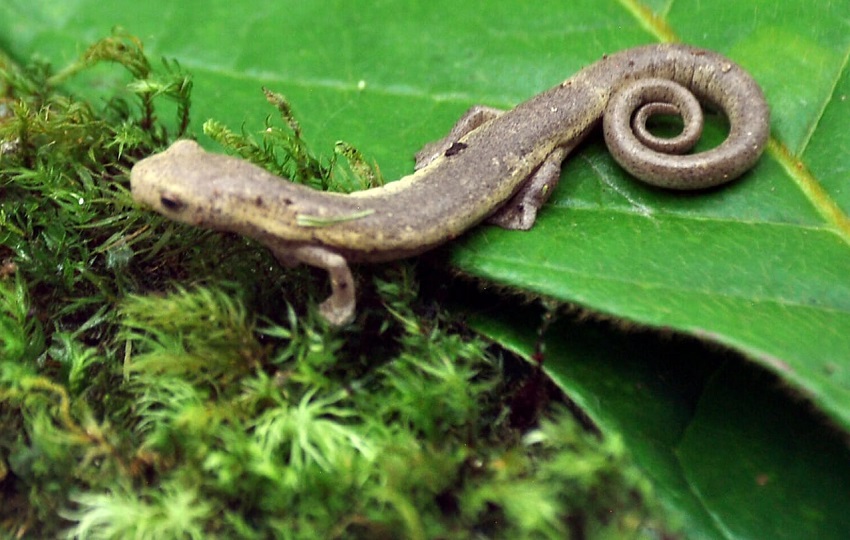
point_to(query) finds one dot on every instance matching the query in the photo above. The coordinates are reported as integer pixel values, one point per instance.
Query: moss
(131, 407)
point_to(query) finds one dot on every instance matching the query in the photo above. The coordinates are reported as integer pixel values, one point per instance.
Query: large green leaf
(729, 451)
(760, 266)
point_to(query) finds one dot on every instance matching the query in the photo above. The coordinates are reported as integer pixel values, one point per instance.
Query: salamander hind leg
(472, 119)
(338, 308)
(520, 212)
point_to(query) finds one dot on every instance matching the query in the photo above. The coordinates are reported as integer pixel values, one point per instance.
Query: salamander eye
(171, 202)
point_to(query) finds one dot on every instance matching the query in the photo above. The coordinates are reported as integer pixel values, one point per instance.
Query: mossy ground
(159, 381)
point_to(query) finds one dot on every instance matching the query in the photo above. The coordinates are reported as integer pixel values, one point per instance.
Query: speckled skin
(492, 163)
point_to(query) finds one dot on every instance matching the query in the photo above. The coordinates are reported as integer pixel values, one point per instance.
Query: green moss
(131, 407)
(284, 151)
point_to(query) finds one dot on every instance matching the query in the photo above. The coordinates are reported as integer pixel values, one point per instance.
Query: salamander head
(173, 182)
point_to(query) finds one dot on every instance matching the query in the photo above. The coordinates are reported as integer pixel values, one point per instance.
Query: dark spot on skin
(171, 202)
(258, 201)
(456, 148)
(287, 202)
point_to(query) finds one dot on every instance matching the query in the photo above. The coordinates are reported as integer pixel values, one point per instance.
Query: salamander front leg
(338, 309)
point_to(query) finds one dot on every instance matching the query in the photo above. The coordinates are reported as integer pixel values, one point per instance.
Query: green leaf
(728, 450)
(746, 465)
